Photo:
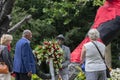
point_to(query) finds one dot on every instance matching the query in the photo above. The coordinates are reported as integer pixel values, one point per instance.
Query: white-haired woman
(94, 64)
(5, 55)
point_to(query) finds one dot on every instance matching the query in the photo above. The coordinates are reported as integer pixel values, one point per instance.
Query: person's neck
(93, 40)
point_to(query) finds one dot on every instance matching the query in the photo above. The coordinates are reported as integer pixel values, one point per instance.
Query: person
(94, 65)
(5, 55)
(107, 25)
(24, 64)
(64, 71)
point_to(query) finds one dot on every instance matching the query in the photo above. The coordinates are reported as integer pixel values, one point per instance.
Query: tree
(5, 17)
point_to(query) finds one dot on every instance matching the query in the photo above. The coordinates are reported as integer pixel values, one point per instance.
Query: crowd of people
(24, 63)
(105, 27)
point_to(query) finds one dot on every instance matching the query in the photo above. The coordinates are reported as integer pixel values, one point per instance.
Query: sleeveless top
(94, 62)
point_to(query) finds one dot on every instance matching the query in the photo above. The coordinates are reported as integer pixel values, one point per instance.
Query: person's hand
(29, 74)
(81, 62)
(13, 74)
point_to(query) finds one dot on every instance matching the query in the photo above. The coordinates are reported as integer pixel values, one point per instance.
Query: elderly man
(24, 61)
(64, 71)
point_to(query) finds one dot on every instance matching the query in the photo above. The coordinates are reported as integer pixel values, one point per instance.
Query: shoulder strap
(98, 51)
(100, 54)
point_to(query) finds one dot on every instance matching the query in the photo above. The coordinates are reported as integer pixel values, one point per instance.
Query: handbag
(3, 67)
(107, 69)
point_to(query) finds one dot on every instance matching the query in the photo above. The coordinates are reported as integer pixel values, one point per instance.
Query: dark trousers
(22, 76)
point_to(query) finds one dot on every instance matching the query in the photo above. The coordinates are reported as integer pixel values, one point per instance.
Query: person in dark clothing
(5, 55)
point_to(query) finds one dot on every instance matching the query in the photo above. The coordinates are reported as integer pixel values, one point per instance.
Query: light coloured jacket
(66, 55)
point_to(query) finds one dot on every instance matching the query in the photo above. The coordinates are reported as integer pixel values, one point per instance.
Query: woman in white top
(94, 64)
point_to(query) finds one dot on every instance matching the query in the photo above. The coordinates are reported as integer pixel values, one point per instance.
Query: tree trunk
(5, 18)
(5, 11)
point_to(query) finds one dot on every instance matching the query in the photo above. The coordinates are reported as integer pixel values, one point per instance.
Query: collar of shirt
(26, 39)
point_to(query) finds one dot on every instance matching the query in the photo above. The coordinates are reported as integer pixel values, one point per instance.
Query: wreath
(50, 50)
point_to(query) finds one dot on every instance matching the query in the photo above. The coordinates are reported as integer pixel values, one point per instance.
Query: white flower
(115, 74)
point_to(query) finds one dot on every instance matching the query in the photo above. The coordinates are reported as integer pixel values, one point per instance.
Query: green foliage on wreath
(50, 50)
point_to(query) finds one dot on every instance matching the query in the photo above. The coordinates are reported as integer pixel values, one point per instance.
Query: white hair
(26, 32)
(93, 34)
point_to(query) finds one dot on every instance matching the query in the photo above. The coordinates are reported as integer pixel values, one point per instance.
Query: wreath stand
(52, 72)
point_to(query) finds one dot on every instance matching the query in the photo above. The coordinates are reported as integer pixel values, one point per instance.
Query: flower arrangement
(50, 50)
(115, 74)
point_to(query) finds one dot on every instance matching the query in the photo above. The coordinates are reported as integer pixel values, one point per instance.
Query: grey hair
(93, 34)
(26, 32)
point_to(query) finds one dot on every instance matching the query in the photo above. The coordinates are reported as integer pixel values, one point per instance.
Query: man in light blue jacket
(24, 61)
